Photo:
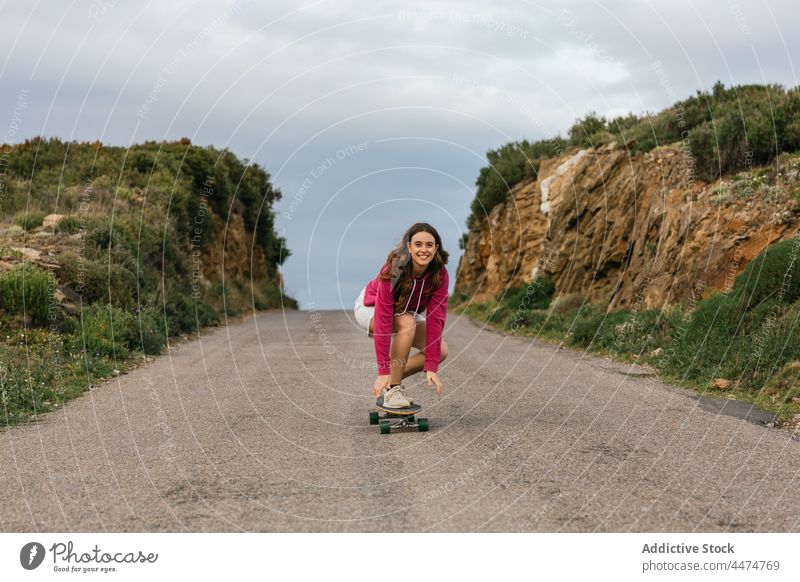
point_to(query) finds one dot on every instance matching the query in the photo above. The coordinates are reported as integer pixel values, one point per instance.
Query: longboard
(389, 418)
(410, 410)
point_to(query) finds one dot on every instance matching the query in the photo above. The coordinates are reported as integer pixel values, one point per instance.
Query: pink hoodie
(379, 293)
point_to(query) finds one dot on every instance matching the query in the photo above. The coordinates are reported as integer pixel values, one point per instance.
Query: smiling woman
(408, 299)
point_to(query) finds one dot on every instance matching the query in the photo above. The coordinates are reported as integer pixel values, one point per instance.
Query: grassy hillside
(135, 256)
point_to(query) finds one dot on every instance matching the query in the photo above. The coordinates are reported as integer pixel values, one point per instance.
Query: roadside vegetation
(122, 270)
(742, 344)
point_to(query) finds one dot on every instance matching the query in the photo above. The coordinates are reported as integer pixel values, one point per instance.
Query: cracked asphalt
(263, 426)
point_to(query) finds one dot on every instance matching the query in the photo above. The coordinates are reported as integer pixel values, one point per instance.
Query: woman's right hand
(381, 383)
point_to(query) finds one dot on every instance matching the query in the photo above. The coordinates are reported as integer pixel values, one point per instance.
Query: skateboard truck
(389, 418)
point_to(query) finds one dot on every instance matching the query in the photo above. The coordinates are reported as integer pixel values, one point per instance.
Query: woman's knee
(405, 325)
(443, 352)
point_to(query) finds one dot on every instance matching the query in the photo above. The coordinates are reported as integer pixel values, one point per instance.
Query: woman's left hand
(434, 377)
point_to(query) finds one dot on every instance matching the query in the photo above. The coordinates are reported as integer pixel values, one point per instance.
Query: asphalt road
(263, 426)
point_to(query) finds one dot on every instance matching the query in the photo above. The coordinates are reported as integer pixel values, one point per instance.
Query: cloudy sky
(369, 115)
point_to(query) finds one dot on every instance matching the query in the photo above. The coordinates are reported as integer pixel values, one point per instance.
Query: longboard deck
(408, 411)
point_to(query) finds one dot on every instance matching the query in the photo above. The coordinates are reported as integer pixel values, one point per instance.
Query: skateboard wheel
(385, 427)
(373, 418)
(422, 424)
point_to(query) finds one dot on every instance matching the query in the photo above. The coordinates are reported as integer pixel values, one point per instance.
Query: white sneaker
(396, 398)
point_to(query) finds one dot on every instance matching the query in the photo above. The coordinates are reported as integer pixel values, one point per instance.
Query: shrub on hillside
(186, 315)
(68, 225)
(29, 291)
(535, 294)
(107, 331)
(29, 220)
(596, 329)
(149, 336)
(775, 273)
(508, 166)
(99, 282)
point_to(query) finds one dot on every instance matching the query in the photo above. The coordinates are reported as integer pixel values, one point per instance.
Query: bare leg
(405, 328)
(415, 363)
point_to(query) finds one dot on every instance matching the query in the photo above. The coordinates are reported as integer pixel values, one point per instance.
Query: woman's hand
(381, 383)
(434, 377)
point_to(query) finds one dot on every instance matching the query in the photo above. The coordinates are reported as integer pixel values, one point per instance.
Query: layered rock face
(636, 231)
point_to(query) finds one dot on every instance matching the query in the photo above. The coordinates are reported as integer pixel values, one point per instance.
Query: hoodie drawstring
(419, 299)
(409, 299)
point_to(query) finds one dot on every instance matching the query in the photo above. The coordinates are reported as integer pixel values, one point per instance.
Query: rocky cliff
(636, 231)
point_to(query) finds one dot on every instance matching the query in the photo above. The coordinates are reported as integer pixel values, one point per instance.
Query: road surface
(263, 426)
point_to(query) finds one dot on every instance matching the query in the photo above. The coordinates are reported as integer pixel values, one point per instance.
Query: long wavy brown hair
(399, 268)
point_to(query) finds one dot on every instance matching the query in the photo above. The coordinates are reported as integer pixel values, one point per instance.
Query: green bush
(596, 330)
(589, 131)
(29, 220)
(768, 348)
(28, 290)
(508, 166)
(149, 332)
(784, 386)
(107, 331)
(99, 282)
(206, 314)
(569, 303)
(68, 225)
(536, 294)
(186, 315)
(775, 273)
(642, 332)
(540, 322)
(706, 337)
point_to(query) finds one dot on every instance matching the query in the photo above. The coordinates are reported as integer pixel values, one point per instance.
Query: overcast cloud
(369, 115)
